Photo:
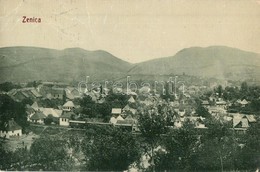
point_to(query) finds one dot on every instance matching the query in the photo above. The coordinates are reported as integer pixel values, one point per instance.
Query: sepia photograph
(130, 85)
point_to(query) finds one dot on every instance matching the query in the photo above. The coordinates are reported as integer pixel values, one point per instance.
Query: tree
(88, 106)
(48, 120)
(218, 148)
(117, 100)
(202, 111)
(21, 159)
(27, 101)
(51, 103)
(33, 84)
(179, 145)
(14, 160)
(7, 86)
(11, 109)
(219, 90)
(5, 158)
(111, 149)
(244, 87)
(50, 154)
(250, 153)
(152, 125)
(104, 110)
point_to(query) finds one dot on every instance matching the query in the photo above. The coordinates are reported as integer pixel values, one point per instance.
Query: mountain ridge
(213, 61)
(23, 63)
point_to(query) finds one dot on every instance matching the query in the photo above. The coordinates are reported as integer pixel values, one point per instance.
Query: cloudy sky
(133, 30)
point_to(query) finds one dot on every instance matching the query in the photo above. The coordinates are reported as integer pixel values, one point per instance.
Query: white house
(244, 103)
(68, 106)
(119, 118)
(113, 120)
(116, 111)
(131, 100)
(65, 118)
(10, 128)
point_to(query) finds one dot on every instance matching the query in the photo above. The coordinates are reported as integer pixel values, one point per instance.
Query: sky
(133, 30)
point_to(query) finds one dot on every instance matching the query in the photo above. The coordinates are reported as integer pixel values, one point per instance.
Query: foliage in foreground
(111, 149)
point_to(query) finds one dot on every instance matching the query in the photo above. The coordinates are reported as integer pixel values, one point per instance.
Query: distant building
(242, 120)
(38, 117)
(51, 111)
(131, 100)
(116, 111)
(24, 93)
(205, 103)
(128, 110)
(119, 118)
(243, 103)
(72, 93)
(65, 118)
(56, 93)
(35, 106)
(68, 106)
(10, 128)
(113, 120)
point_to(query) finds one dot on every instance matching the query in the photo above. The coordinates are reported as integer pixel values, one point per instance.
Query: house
(128, 121)
(35, 106)
(72, 93)
(181, 112)
(144, 90)
(57, 93)
(113, 120)
(242, 121)
(116, 111)
(68, 106)
(251, 118)
(10, 128)
(244, 102)
(65, 118)
(197, 121)
(51, 111)
(127, 109)
(174, 104)
(132, 93)
(131, 100)
(221, 103)
(35, 93)
(119, 118)
(177, 124)
(205, 103)
(216, 110)
(24, 93)
(29, 111)
(38, 117)
(19, 96)
(213, 98)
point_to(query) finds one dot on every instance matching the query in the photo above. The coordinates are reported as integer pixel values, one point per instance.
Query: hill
(215, 61)
(21, 64)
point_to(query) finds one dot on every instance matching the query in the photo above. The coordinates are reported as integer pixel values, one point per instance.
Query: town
(28, 110)
(130, 85)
